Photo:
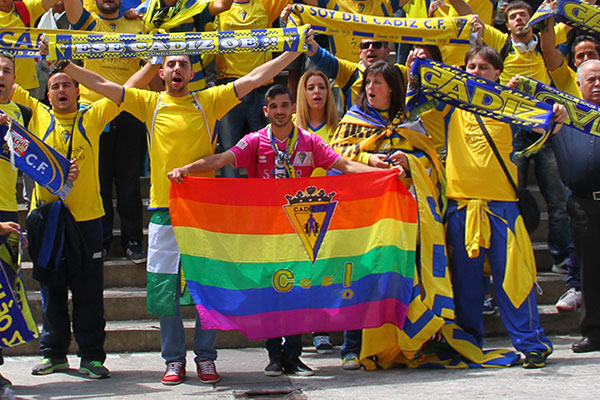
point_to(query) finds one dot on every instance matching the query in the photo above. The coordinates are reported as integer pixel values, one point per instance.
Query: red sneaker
(174, 374)
(207, 371)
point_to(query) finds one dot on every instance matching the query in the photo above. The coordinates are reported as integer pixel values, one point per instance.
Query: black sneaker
(50, 365)
(533, 360)
(4, 383)
(274, 368)
(294, 366)
(135, 252)
(94, 369)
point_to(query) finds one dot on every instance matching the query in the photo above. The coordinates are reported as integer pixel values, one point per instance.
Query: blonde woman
(315, 107)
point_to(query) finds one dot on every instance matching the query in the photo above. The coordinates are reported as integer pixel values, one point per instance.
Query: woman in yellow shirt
(315, 108)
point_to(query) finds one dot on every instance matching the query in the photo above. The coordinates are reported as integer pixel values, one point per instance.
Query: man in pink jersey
(280, 150)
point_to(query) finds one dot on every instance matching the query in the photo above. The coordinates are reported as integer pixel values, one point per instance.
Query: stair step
(144, 335)
(118, 272)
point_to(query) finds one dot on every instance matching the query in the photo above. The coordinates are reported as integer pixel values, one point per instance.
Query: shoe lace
(174, 368)
(95, 364)
(207, 367)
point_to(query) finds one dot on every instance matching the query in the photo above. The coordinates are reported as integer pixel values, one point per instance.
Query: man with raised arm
(182, 128)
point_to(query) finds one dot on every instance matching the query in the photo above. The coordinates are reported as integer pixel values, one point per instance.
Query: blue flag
(35, 158)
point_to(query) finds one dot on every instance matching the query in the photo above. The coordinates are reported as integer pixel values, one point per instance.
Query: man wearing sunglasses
(347, 74)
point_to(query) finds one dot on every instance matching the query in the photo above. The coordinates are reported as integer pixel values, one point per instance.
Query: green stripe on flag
(241, 276)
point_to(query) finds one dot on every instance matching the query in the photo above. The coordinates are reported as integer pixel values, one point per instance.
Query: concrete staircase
(130, 328)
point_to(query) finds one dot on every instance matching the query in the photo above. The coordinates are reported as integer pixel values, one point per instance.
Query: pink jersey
(255, 153)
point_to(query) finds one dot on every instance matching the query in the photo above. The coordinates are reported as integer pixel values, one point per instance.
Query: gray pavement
(137, 376)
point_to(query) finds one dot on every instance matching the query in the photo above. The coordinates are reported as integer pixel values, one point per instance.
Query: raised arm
(95, 82)
(143, 77)
(264, 73)
(552, 56)
(74, 9)
(461, 7)
(206, 164)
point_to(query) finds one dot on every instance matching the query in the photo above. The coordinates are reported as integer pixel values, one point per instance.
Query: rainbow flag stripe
(280, 257)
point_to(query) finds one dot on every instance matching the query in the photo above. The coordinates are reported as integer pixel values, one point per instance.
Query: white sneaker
(561, 267)
(569, 301)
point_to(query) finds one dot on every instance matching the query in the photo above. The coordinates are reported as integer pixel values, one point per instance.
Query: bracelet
(60, 66)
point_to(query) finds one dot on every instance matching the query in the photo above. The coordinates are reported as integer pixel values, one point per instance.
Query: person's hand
(132, 13)
(477, 27)
(43, 46)
(312, 44)
(73, 171)
(560, 116)
(415, 53)
(178, 174)
(513, 82)
(379, 161)
(400, 158)
(286, 13)
(4, 119)
(400, 169)
(9, 227)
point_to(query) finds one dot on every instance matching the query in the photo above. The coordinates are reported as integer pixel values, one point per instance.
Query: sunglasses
(376, 45)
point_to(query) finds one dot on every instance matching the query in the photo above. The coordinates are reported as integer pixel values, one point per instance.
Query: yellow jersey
(180, 130)
(25, 69)
(452, 54)
(472, 169)
(117, 70)
(246, 14)
(528, 63)
(56, 129)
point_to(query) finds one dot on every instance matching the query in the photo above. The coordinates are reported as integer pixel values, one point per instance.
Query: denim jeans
(172, 337)
(246, 117)
(555, 195)
(352, 343)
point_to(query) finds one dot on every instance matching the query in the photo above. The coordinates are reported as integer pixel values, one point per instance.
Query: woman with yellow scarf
(375, 131)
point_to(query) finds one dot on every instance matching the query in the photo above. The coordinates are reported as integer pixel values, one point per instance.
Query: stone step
(118, 273)
(120, 304)
(144, 335)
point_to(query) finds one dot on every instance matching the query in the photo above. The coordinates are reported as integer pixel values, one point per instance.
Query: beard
(108, 8)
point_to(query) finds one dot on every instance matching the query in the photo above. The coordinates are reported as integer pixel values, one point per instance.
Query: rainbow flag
(287, 256)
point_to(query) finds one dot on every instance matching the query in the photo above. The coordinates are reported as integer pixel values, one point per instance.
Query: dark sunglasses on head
(376, 45)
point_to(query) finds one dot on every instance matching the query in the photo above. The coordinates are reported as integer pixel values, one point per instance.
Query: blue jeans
(352, 342)
(172, 337)
(555, 195)
(248, 116)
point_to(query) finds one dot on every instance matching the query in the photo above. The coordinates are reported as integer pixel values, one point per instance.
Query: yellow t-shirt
(435, 125)
(452, 54)
(91, 6)
(530, 63)
(8, 175)
(55, 129)
(347, 47)
(472, 169)
(181, 130)
(246, 14)
(25, 69)
(326, 133)
(117, 70)
(565, 79)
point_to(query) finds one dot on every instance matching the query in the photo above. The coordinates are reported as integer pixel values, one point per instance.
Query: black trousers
(122, 151)
(87, 285)
(290, 349)
(585, 223)
(6, 216)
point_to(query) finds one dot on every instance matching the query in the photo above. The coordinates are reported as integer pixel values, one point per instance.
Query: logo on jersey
(310, 212)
